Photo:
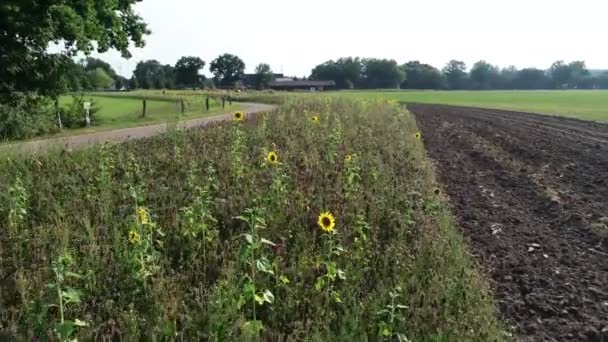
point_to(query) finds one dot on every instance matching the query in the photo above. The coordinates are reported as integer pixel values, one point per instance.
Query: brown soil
(531, 196)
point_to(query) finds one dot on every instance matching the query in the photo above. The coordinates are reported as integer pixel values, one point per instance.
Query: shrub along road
(120, 135)
(530, 195)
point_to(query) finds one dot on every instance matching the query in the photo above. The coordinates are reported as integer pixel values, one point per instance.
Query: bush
(26, 117)
(73, 115)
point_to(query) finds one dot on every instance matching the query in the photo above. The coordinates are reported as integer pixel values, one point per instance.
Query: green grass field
(581, 104)
(125, 111)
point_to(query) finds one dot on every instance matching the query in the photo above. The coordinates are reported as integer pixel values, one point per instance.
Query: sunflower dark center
(272, 157)
(326, 221)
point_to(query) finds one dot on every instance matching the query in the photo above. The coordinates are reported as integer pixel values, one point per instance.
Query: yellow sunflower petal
(326, 221)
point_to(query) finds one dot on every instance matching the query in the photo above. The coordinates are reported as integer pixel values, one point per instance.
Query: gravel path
(119, 135)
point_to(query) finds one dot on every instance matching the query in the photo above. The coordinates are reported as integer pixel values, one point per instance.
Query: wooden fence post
(143, 111)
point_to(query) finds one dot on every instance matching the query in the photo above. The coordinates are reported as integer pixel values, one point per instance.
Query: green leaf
(268, 296)
(71, 296)
(335, 295)
(284, 279)
(69, 274)
(80, 323)
(268, 242)
(341, 275)
(65, 330)
(319, 283)
(253, 328)
(264, 266)
(386, 332)
(249, 238)
(248, 290)
(259, 298)
(402, 338)
(332, 269)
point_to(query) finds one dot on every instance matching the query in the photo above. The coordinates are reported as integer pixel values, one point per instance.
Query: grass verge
(281, 227)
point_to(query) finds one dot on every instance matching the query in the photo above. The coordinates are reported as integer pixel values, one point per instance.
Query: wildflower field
(319, 221)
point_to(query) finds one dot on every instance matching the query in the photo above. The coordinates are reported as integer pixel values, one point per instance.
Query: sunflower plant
(66, 296)
(352, 175)
(327, 223)
(18, 198)
(237, 150)
(390, 325)
(143, 256)
(258, 265)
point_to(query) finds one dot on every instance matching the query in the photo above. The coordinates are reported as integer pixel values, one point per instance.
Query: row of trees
(364, 73)
(227, 70)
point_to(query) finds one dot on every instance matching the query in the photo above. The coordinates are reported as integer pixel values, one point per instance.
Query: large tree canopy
(455, 74)
(27, 27)
(151, 74)
(263, 75)
(227, 69)
(187, 71)
(421, 76)
(485, 76)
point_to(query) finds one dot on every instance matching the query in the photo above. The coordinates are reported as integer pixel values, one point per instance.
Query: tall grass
(202, 235)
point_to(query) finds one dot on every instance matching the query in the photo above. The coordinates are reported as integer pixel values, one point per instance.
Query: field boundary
(74, 142)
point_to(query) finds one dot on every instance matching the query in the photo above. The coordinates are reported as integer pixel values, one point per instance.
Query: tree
(560, 74)
(151, 74)
(507, 77)
(455, 74)
(531, 78)
(484, 76)
(92, 63)
(263, 75)
(382, 73)
(421, 76)
(580, 77)
(27, 27)
(601, 80)
(187, 71)
(227, 69)
(100, 79)
(347, 72)
(121, 82)
(133, 83)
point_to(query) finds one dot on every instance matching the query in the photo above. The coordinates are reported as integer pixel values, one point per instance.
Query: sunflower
(272, 157)
(239, 116)
(327, 221)
(134, 237)
(315, 119)
(348, 158)
(418, 135)
(143, 215)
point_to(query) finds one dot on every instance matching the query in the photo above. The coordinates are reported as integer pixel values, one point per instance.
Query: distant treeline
(362, 73)
(228, 70)
(348, 73)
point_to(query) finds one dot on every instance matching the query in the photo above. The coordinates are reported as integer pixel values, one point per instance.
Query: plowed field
(531, 196)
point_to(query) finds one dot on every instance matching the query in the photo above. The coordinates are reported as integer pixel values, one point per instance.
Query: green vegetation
(120, 111)
(582, 104)
(275, 227)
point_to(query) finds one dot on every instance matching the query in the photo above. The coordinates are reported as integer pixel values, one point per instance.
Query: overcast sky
(294, 36)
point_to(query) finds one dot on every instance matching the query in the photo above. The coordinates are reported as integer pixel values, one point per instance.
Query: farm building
(302, 85)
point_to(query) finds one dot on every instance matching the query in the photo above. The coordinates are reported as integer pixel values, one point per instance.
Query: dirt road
(531, 196)
(119, 135)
